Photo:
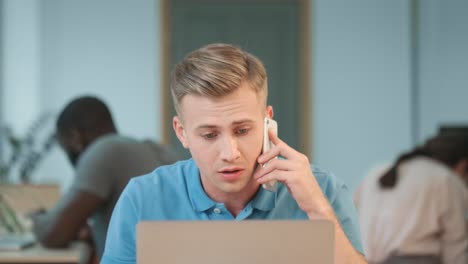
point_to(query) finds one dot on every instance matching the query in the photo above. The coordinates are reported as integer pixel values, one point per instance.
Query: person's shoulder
(438, 176)
(167, 175)
(328, 182)
(179, 169)
(114, 138)
(109, 142)
(122, 142)
(434, 171)
(163, 152)
(100, 150)
(156, 194)
(118, 145)
(154, 144)
(324, 176)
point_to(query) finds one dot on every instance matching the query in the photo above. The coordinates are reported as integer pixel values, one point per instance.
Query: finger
(276, 175)
(279, 148)
(274, 164)
(273, 137)
(269, 155)
(286, 150)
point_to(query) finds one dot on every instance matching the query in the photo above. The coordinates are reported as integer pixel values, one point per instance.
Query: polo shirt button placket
(217, 210)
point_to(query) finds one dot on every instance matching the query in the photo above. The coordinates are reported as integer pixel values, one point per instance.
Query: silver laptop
(234, 242)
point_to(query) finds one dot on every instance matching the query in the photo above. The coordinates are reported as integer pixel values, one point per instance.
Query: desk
(26, 198)
(77, 253)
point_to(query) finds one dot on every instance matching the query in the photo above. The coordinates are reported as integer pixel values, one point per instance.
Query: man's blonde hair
(216, 70)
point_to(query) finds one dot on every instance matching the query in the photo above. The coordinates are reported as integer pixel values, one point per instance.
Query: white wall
(20, 60)
(20, 63)
(361, 84)
(105, 47)
(443, 64)
(61, 49)
(1, 75)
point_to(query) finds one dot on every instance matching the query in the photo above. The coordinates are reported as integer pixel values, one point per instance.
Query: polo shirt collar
(199, 199)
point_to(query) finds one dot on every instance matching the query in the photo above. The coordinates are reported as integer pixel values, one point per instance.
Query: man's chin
(232, 189)
(237, 188)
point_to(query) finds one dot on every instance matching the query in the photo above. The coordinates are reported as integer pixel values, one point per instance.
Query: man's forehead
(211, 115)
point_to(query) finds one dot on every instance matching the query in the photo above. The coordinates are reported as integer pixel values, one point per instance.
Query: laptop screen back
(229, 242)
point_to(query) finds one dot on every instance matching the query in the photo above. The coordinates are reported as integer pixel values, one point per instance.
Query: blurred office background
(375, 77)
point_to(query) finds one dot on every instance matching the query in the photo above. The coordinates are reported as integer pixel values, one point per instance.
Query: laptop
(234, 242)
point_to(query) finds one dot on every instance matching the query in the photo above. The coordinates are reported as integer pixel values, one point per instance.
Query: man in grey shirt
(104, 162)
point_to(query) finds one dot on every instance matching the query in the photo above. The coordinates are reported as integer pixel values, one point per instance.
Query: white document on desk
(12, 242)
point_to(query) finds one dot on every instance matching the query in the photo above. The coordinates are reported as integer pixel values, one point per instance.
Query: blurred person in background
(104, 162)
(414, 212)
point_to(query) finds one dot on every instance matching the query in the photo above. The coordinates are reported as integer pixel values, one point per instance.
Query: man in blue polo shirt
(220, 94)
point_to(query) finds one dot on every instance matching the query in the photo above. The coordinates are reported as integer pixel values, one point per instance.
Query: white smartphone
(268, 124)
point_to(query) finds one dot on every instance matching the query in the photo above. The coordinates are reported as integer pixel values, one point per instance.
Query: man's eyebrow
(202, 126)
(235, 123)
(242, 122)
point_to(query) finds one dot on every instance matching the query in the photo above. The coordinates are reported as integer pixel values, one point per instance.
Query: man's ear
(180, 131)
(269, 111)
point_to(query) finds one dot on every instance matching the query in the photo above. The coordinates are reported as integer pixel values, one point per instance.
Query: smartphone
(269, 124)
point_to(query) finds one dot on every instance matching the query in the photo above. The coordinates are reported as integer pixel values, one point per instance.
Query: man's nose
(229, 149)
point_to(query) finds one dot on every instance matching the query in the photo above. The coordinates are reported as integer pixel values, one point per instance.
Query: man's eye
(209, 135)
(242, 131)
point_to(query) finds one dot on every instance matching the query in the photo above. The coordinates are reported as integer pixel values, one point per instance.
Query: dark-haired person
(414, 211)
(104, 162)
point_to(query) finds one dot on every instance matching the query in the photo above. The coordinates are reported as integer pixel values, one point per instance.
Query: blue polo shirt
(175, 192)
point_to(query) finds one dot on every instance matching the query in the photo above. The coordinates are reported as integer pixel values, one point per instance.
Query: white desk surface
(76, 253)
